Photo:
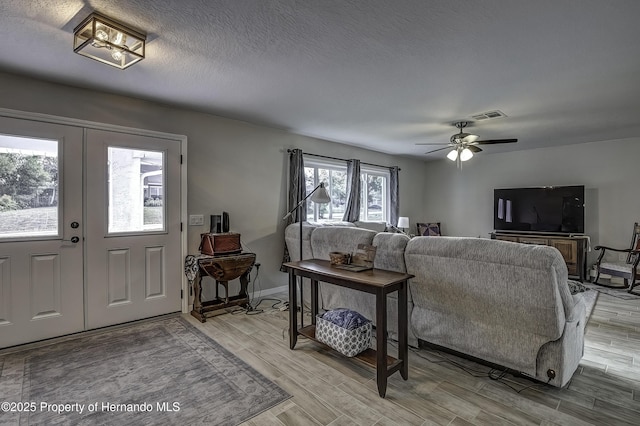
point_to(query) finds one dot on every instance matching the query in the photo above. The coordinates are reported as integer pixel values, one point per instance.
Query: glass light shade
(466, 154)
(403, 222)
(453, 155)
(321, 196)
(108, 41)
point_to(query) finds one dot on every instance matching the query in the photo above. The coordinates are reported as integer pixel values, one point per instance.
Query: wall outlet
(196, 219)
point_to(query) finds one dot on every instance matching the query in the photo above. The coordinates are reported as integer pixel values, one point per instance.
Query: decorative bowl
(339, 258)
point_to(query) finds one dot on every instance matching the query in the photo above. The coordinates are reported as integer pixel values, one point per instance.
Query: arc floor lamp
(319, 195)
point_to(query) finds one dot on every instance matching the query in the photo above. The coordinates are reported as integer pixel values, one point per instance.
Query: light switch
(196, 219)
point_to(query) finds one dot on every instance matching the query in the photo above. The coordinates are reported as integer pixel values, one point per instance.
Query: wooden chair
(626, 270)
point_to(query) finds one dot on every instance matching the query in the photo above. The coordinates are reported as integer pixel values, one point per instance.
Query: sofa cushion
(390, 251)
(326, 239)
(292, 239)
(373, 226)
(339, 223)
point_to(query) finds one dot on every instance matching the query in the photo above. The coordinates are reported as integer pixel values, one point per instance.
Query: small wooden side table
(222, 269)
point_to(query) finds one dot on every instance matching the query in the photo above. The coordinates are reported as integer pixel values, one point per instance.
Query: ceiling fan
(463, 145)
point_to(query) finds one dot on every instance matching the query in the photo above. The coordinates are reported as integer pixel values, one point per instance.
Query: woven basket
(339, 258)
(347, 342)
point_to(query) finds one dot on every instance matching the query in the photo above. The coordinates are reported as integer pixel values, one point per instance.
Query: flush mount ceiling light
(108, 41)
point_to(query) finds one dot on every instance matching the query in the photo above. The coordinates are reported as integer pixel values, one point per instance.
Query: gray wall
(233, 166)
(463, 199)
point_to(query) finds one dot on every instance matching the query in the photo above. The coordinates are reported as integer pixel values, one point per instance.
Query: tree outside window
(335, 181)
(376, 193)
(28, 186)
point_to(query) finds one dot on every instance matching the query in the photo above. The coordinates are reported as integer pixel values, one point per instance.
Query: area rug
(152, 373)
(620, 293)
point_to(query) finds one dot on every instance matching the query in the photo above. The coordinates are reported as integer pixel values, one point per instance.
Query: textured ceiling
(374, 73)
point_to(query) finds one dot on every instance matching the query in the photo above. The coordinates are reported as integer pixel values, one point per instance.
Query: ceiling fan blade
(434, 143)
(494, 141)
(436, 150)
(474, 148)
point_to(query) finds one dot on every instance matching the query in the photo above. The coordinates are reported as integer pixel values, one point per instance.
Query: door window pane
(136, 190)
(28, 187)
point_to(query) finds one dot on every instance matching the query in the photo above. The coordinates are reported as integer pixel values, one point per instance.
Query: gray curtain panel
(354, 190)
(394, 196)
(297, 187)
(297, 191)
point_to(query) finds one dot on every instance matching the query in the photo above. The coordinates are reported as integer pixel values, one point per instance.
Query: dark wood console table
(222, 269)
(374, 281)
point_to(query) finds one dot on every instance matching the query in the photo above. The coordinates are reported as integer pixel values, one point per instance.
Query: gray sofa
(505, 303)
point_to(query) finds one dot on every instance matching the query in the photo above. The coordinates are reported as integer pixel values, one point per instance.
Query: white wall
(463, 199)
(233, 166)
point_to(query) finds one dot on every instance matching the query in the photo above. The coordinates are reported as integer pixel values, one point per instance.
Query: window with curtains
(375, 190)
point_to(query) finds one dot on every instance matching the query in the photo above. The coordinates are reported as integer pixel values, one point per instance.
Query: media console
(573, 248)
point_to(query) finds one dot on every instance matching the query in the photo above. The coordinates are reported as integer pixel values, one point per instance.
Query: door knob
(75, 239)
(74, 225)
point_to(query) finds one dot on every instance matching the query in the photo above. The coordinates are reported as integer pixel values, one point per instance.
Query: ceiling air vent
(489, 115)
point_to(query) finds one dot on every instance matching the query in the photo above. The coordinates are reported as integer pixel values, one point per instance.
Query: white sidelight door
(133, 246)
(41, 241)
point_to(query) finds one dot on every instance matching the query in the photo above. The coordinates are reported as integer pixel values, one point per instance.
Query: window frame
(365, 171)
(315, 164)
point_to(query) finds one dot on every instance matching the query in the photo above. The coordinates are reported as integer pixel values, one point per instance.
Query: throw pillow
(428, 229)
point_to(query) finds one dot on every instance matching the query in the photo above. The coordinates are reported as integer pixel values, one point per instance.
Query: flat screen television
(551, 209)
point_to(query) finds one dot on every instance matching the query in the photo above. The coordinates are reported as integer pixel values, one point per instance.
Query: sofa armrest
(579, 309)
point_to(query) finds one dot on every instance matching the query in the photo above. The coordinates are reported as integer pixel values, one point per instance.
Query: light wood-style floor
(329, 389)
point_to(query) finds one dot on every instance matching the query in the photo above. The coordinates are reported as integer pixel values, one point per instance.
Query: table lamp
(403, 222)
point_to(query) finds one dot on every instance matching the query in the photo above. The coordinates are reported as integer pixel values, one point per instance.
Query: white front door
(133, 245)
(89, 229)
(41, 241)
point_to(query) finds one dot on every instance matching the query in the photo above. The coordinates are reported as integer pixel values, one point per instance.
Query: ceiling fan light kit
(464, 145)
(466, 154)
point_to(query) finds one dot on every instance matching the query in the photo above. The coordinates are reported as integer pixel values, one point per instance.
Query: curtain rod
(340, 159)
